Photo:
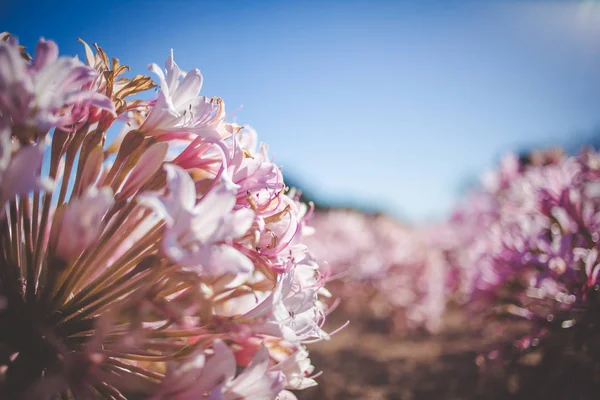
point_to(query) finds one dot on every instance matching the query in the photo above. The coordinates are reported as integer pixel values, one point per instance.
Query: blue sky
(386, 103)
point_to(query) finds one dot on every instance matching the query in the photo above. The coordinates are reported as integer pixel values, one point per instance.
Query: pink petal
(46, 52)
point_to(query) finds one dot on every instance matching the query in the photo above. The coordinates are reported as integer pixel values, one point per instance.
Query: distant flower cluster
(161, 261)
(386, 268)
(527, 250)
(521, 253)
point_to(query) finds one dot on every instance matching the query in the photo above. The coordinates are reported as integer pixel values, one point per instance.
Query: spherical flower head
(137, 269)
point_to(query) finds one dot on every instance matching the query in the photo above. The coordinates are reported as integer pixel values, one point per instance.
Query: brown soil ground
(365, 362)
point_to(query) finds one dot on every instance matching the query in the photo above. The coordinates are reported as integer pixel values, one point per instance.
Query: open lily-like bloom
(180, 109)
(48, 92)
(293, 310)
(213, 377)
(297, 370)
(255, 174)
(200, 236)
(141, 268)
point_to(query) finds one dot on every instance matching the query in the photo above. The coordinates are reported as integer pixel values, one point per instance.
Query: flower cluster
(527, 248)
(164, 261)
(522, 252)
(391, 270)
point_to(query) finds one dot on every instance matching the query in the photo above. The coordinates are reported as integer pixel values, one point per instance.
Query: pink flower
(297, 369)
(278, 229)
(199, 236)
(20, 167)
(256, 381)
(81, 222)
(259, 179)
(180, 109)
(592, 267)
(213, 377)
(49, 91)
(293, 310)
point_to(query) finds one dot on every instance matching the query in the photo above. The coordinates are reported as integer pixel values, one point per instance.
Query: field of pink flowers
(150, 249)
(498, 301)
